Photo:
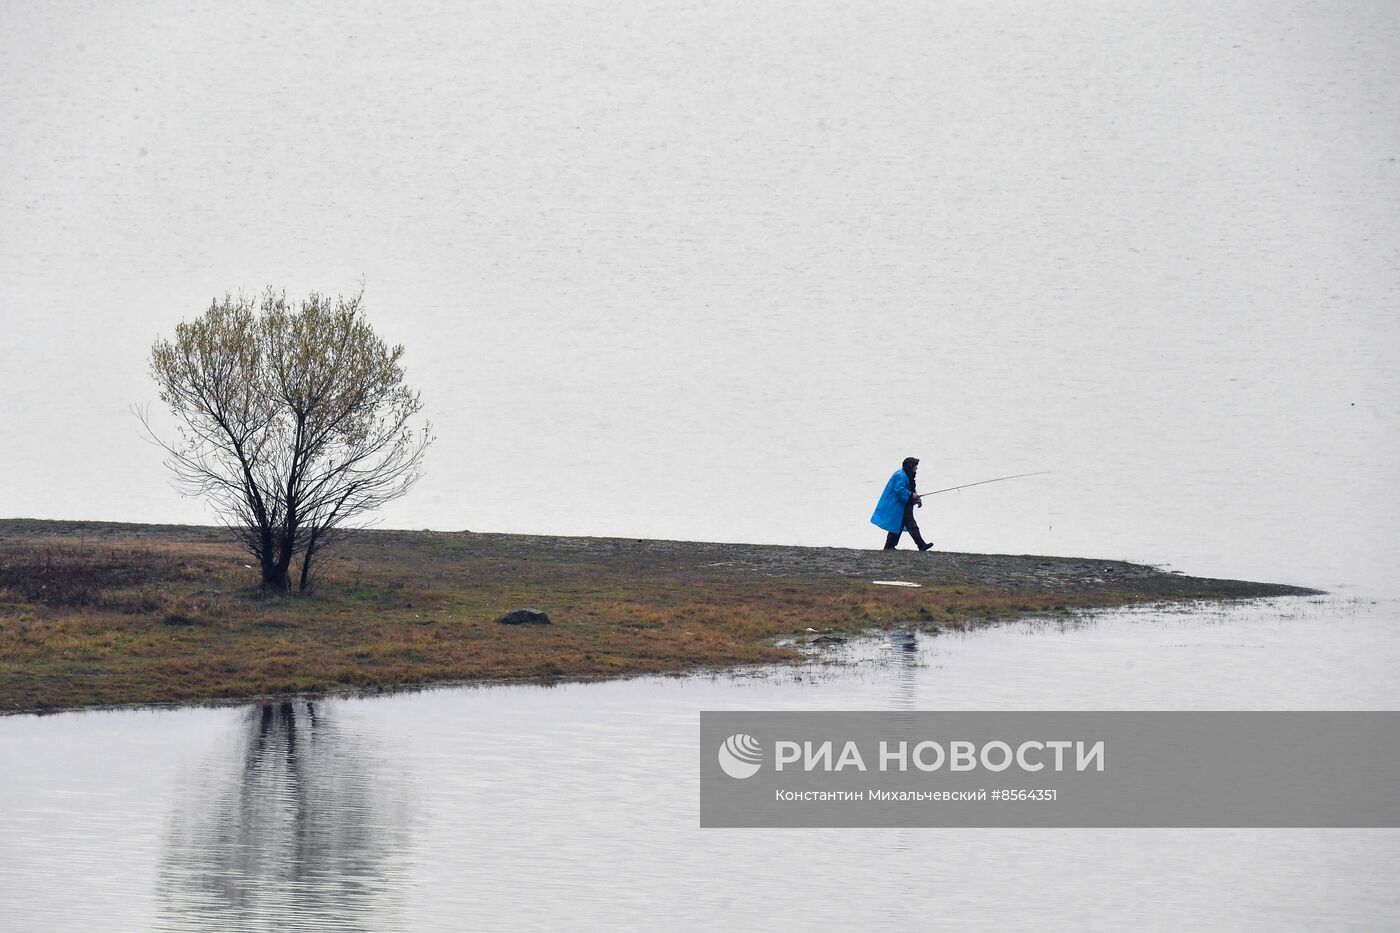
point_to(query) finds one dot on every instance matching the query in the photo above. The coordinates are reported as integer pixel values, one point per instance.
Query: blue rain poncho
(889, 511)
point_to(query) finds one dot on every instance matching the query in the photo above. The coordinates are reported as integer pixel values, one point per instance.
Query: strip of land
(101, 614)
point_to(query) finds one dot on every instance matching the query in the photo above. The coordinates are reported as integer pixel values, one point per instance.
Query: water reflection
(298, 826)
(906, 664)
(904, 684)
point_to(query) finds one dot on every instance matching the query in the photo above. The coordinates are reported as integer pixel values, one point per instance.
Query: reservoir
(709, 272)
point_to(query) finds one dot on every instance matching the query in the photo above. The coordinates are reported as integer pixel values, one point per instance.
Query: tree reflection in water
(299, 833)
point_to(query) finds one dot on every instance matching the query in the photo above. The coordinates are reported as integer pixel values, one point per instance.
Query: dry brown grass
(132, 614)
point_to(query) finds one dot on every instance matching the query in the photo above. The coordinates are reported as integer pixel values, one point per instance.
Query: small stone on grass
(525, 617)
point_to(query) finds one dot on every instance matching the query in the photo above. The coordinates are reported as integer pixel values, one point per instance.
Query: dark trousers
(910, 526)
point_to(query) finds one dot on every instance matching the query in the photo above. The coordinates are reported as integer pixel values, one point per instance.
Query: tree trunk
(306, 564)
(275, 576)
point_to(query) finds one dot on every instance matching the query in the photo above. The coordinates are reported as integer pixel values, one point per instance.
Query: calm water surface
(576, 806)
(744, 258)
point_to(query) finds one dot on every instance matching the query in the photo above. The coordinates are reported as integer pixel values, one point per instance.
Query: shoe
(926, 546)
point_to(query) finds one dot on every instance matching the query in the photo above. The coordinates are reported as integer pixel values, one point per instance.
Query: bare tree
(294, 421)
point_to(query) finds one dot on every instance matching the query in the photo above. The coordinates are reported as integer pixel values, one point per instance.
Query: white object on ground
(894, 583)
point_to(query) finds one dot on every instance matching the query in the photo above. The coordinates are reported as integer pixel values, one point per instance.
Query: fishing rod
(982, 483)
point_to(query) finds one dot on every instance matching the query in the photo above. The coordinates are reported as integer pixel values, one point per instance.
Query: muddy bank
(1011, 573)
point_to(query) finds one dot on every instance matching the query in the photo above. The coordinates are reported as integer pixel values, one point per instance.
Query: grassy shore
(99, 614)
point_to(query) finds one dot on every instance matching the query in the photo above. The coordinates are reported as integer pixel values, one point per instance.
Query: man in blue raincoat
(895, 510)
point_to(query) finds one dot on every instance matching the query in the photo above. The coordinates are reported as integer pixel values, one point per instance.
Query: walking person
(895, 511)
